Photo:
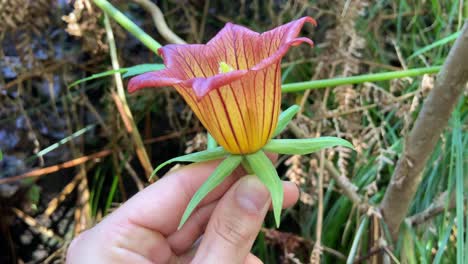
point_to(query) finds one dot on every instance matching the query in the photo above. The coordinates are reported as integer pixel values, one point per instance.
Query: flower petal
(153, 79)
(201, 86)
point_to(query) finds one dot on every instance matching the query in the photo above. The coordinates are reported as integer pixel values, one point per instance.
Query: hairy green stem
(126, 23)
(374, 77)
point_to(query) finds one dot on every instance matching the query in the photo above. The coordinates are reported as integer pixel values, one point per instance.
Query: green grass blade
(206, 155)
(304, 145)
(63, 141)
(459, 179)
(357, 239)
(442, 245)
(436, 44)
(97, 76)
(266, 172)
(285, 117)
(224, 169)
(112, 193)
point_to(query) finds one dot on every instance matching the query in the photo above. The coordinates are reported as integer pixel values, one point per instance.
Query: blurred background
(69, 157)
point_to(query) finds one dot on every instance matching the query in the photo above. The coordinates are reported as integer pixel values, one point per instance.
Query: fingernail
(251, 194)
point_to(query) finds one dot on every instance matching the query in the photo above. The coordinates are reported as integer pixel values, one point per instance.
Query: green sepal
(224, 169)
(285, 117)
(210, 141)
(304, 145)
(266, 172)
(205, 155)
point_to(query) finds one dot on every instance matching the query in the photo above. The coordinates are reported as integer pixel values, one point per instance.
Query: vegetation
(71, 155)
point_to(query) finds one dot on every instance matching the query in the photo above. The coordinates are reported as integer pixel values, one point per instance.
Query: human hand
(144, 229)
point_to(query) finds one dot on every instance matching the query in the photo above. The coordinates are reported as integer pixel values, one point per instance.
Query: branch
(422, 139)
(438, 206)
(159, 22)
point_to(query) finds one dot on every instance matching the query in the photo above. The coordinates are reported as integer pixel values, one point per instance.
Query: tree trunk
(422, 139)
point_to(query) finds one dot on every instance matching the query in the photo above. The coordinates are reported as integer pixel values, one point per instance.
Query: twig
(35, 225)
(125, 113)
(170, 136)
(53, 204)
(280, 237)
(422, 139)
(54, 168)
(159, 22)
(435, 208)
(317, 250)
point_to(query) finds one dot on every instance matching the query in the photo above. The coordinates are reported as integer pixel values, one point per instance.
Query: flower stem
(126, 23)
(384, 76)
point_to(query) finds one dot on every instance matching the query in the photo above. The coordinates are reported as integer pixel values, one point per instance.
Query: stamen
(225, 68)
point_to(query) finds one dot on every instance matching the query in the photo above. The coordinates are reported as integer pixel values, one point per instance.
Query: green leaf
(127, 72)
(97, 76)
(305, 145)
(206, 155)
(266, 171)
(224, 169)
(211, 142)
(142, 68)
(284, 119)
(1, 154)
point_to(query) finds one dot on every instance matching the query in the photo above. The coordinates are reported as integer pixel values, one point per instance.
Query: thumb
(235, 223)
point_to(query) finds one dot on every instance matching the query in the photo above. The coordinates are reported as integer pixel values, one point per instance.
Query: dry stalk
(125, 113)
(30, 221)
(159, 22)
(54, 168)
(348, 188)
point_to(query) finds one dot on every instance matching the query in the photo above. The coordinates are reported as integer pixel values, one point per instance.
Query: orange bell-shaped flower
(233, 83)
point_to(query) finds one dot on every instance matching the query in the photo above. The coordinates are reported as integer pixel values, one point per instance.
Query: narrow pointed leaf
(206, 155)
(142, 68)
(224, 169)
(285, 117)
(305, 145)
(266, 171)
(357, 239)
(127, 72)
(97, 76)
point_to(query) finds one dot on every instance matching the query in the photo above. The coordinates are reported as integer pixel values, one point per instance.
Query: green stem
(384, 76)
(126, 23)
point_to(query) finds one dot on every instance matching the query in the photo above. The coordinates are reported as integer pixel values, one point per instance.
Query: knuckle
(232, 230)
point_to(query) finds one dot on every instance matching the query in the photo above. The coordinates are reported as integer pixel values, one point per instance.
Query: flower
(233, 83)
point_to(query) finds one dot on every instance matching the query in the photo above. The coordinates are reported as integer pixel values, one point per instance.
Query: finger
(171, 194)
(235, 223)
(252, 259)
(183, 239)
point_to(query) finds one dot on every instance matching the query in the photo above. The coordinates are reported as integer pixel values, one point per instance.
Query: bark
(422, 139)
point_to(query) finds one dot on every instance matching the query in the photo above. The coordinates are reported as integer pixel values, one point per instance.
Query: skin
(144, 229)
